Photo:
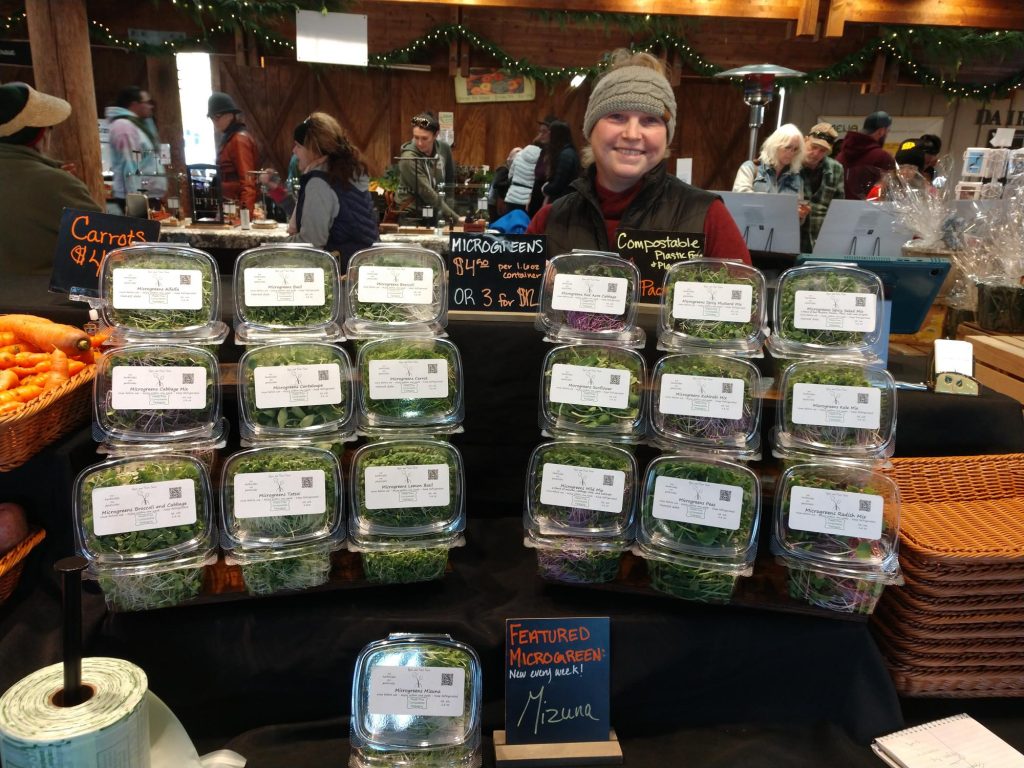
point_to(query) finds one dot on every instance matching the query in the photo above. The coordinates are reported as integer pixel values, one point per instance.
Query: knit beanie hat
(631, 89)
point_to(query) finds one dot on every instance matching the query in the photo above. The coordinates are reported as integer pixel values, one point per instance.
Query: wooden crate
(999, 363)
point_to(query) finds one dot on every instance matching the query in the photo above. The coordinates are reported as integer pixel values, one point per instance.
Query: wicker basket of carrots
(45, 373)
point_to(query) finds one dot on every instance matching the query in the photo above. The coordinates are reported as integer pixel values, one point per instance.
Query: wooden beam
(58, 32)
(836, 19)
(876, 85)
(739, 9)
(162, 77)
(807, 24)
(985, 14)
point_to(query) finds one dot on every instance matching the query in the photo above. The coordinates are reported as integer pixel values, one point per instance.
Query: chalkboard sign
(494, 272)
(84, 237)
(654, 252)
(557, 680)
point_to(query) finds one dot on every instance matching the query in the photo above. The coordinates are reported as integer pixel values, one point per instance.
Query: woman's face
(787, 152)
(304, 155)
(424, 140)
(626, 145)
(222, 121)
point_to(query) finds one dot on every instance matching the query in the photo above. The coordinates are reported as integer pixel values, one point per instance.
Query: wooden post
(162, 76)
(58, 33)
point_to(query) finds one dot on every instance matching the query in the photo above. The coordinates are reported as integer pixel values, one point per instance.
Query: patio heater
(758, 91)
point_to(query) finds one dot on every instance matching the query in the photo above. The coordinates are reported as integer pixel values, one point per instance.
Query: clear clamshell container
(159, 292)
(287, 292)
(145, 525)
(590, 296)
(295, 390)
(438, 728)
(715, 305)
(157, 393)
(282, 516)
(831, 407)
(579, 511)
(706, 401)
(395, 289)
(826, 309)
(409, 384)
(594, 390)
(406, 508)
(836, 530)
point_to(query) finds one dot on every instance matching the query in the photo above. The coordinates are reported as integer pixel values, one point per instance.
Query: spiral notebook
(959, 741)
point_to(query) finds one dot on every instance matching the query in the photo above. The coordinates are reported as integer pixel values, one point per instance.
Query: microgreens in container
(161, 292)
(578, 515)
(406, 508)
(441, 729)
(590, 296)
(145, 526)
(281, 515)
(713, 304)
(409, 383)
(593, 390)
(286, 291)
(395, 289)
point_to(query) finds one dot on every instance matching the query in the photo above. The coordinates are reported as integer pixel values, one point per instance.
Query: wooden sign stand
(567, 753)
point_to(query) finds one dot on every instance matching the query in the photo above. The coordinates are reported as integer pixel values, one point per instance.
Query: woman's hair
(322, 135)
(560, 138)
(777, 141)
(427, 121)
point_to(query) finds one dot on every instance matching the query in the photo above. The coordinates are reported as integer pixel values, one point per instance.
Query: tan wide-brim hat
(22, 106)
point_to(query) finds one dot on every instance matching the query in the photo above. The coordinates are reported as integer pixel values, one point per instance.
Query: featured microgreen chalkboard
(557, 680)
(493, 272)
(654, 252)
(83, 239)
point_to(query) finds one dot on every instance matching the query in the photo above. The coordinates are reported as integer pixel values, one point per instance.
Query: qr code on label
(447, 678)
(613, 288)
(175, 492)
(609, 480)
(323, 375)
(615, 379)
(864, 505)
(417, 276)
(726, 387)
(307, 482)
(724, 495)
(736, 294)
(432, 474)
(188, 378)
(184, 279)
(431, 368)
(862, 398)
(860, 301)
(307, 277)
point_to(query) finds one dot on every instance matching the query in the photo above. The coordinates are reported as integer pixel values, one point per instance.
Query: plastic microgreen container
(590, 296)
(595, 390)
(713, 304)
(843, 590)
(576, 561)
(828, 308)
(409, 383)
(699, 579)
(438, 726)
(833, 407)
(395, 289)
(157, 393)
(297, 389)
(145, 525)
(706, 400)
(287, 291)
(161, 292)
(406, 508)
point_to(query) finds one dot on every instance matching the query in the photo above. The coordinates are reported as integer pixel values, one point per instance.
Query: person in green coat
(34, 189)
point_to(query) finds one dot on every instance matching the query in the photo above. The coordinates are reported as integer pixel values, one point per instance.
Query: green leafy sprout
(310, 568)
(395, 313)
(573, 562)
(845, 594)
(715, 330)
(596, 418)
(692, 582)
(588, 456)
(836, 436)
(161, 320)
(829, 282)
(409, 410)
(711, 429)
(596, 322)
(299, 316)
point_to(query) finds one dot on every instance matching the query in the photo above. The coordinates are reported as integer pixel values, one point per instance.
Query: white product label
(705, 396)
(590, 293)
(408, 379)
(396, 285)
(432, 691)
(582, 385)
(143, 507)
(828, 311)
(564, 485)
(826, 405)
(727, 302)
(270, 494)
(840, 513)
(694, 501)
(285, 287)
(282, 386)
(140, 387)
(158, 289)
(412, 485)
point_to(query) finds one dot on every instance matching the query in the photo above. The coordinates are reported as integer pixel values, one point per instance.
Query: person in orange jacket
(236, 153)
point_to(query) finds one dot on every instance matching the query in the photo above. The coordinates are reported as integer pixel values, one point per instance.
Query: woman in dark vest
(629, 124)
(334, 210)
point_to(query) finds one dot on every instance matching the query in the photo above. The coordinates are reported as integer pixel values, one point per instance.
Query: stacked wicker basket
(957, 627)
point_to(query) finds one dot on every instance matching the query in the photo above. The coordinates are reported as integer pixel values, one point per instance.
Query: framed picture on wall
(488, 84)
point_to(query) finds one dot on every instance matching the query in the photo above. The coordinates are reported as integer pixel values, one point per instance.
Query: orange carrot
(76, 366)
(7, 408)
(14, 348)
(8, 379)
(21, 394)
(23, 359)
(23, 371)
(86, 357)
(58, 370)
(6, 337)
(45, 334)
(101, 336)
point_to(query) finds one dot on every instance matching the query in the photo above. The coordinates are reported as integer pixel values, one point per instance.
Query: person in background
(425, 165)
(932, 146)
(34, 190)
(911, 164)
(540, 176)
(628, 125)
(822, 181)
(236, 152)
(563, 162)
(134, 147)
(335, 210)
(863, 156)
(520, 179)
(496, 207)
(777, 168)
